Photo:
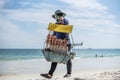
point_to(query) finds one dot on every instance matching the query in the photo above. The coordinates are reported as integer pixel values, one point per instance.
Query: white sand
(83, 69)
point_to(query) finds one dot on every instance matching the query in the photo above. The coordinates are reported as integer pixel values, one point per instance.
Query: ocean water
(28, 54)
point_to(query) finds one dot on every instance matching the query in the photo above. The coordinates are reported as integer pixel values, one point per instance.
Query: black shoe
(46, 76)
(67, 75)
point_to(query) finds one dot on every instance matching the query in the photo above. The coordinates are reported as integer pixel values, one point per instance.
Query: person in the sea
(59, 16)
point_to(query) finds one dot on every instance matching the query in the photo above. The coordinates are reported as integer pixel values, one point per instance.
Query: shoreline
(38, 59)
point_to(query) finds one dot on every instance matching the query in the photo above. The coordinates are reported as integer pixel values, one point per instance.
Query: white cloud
(100, 26)
(43, 5)
(90, 15)
(12, 36)
(85, 4)
(29, 15)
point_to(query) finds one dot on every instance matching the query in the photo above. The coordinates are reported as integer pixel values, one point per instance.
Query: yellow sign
(60, 28)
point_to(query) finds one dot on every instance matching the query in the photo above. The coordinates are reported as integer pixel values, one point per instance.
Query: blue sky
(23, 23)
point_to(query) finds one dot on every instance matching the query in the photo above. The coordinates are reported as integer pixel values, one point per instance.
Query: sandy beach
(106, 68)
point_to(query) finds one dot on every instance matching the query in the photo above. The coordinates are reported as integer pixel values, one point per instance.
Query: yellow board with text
(60, 28)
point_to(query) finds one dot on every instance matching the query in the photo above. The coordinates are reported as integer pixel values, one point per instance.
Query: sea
(36, 54)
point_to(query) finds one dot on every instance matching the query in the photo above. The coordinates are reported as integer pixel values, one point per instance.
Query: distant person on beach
(101, 56)
(59, 16)
(96, 55)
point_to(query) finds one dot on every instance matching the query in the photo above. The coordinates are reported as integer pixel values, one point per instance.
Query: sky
(23, 23)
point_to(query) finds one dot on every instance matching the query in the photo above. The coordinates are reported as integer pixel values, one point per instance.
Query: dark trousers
(54, 65)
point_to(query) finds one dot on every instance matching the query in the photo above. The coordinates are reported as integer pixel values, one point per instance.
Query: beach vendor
(59, 16)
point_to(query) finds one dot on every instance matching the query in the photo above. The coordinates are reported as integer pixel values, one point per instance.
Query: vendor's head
(58, 14)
